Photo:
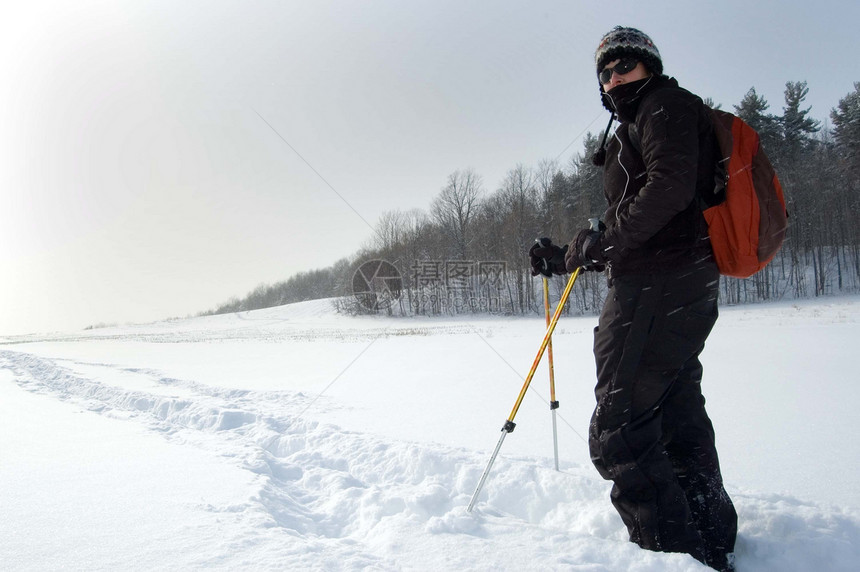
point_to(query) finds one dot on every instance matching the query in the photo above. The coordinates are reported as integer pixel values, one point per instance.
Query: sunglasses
(624, 66)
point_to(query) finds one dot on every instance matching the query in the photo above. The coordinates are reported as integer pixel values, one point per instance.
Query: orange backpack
(746, 228)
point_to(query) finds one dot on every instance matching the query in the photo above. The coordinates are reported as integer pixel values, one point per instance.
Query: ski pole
(509, 423)
(553, 404)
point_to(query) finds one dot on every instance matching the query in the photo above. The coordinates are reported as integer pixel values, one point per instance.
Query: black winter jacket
(661, 155)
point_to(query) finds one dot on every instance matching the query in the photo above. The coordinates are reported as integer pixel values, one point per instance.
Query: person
(650, 433)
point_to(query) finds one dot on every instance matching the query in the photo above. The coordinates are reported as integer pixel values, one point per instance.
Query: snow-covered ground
(297, 439)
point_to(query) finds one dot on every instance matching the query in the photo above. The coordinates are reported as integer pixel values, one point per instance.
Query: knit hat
(621, 42)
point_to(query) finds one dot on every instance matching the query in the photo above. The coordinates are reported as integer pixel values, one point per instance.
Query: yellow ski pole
(509, 423)
(553, 404)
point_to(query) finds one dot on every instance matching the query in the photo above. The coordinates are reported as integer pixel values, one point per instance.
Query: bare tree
(520, 204)
(546, 183)
(390, 230)
(455, 207)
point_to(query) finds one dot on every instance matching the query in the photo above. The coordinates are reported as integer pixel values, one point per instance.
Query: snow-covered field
(297, 439)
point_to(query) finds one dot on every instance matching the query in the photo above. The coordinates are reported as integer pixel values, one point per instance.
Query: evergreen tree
(752, 109)
(846, 131)
(797, 127)
(709, 101)
(586, 197)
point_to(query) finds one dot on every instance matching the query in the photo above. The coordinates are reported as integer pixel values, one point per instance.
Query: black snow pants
(650, 433)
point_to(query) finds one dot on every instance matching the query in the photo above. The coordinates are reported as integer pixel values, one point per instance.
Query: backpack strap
(721, 121)
(722, 141)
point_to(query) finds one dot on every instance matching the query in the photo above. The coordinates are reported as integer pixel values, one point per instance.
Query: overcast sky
(139, 179)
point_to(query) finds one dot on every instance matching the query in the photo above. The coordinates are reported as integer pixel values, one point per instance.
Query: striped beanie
(621, 42)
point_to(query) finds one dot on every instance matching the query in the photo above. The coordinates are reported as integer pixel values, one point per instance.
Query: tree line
(467, 251)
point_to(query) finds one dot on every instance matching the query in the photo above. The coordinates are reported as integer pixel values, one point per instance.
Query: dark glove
(546, 258)
(586, 251)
